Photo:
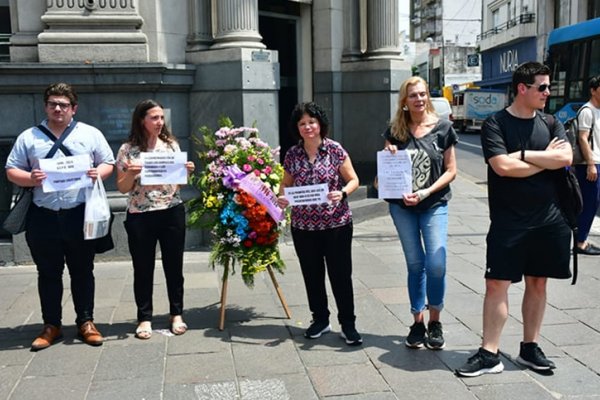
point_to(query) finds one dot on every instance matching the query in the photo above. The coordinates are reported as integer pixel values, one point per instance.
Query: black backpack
(569, 196)
(572, 131)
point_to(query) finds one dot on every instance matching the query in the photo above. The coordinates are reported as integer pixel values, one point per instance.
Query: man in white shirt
(588, 140)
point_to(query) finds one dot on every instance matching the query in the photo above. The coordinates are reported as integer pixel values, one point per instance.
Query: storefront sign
(500, 62)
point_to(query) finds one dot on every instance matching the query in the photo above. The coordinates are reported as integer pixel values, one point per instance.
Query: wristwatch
(344, 195)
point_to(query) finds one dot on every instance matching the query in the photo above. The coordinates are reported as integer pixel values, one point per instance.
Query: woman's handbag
(16, 220)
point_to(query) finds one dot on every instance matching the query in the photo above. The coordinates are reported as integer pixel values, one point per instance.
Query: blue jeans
(591, 201)
(423, 235)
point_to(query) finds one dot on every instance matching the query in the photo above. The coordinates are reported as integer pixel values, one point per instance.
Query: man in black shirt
(528, 235)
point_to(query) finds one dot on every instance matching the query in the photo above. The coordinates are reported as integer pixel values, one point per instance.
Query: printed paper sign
(305, 195)
(252, 185)
(66, 173)
(394, 174)
(164, 168)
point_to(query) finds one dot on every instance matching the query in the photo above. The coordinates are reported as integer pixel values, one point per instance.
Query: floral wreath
(239, 174)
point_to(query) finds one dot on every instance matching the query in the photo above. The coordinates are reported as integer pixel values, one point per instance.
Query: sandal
(144, 330)
(178, 327)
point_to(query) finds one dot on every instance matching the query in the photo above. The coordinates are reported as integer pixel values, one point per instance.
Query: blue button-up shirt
(32, 145)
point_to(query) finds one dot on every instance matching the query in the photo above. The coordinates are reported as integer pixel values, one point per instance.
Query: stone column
(351, 50)
(382, 29)
(200, 37)
(87, 31)
(237, 24)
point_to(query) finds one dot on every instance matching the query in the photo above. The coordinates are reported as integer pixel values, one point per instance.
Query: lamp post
(442, 64)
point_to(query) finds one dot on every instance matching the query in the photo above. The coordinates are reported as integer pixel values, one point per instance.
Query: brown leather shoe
(89, 334)
(49, 335)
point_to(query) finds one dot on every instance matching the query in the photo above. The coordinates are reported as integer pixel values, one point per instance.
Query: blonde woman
(421, 217)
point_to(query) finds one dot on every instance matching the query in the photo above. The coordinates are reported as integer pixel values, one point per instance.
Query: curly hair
(137, 136)
(315, 111)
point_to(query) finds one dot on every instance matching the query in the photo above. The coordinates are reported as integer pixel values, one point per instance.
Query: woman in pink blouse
(155, 213)
(322, 233)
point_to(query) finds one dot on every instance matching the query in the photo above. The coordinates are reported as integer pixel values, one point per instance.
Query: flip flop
(143, 333)
(178, 327)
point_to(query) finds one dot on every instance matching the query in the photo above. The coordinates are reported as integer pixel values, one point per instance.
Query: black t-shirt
(427, 161)
(520, 203)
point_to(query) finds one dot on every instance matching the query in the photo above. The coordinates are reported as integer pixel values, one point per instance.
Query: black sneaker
(351, 336)
(435, 336)
(533, 357)
(482, 362)
(316, 329)
(416, 336)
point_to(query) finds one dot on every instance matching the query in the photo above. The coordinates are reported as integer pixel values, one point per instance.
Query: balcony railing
(521, 19)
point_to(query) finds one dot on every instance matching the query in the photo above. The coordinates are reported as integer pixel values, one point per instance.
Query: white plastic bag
(96, 222)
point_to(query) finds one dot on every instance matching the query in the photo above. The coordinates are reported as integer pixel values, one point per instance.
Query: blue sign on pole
(472, 60)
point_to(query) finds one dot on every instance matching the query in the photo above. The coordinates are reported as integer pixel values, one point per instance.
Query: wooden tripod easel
(224, 295)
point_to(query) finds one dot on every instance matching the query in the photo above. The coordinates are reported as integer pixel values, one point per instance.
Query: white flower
(230, 148)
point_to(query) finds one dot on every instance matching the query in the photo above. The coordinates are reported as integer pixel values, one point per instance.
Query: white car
(442, 107)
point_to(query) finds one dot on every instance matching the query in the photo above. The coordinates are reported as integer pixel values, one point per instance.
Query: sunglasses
(540, 88)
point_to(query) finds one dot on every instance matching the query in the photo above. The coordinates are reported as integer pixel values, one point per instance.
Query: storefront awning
(501, 80)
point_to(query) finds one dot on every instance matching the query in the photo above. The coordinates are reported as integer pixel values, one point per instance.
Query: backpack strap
(58, 143)
(591, 137)
(549, 120)
(575, 268)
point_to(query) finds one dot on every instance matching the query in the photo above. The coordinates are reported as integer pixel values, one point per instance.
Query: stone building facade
(251, 60)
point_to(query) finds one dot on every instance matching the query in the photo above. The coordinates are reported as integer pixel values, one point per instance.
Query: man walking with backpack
(528, 236)
(587, 166)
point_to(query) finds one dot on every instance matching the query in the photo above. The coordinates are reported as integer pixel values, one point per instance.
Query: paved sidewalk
(262, 355)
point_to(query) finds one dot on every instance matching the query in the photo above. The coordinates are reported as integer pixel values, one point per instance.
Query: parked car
(442, 107)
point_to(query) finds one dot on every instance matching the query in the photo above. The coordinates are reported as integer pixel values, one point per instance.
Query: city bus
(573, 55)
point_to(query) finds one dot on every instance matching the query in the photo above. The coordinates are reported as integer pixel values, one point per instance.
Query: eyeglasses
(540, 88)
(63, 106)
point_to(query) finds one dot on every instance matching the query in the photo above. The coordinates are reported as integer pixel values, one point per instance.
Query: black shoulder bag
(16, 221)
(569, 196)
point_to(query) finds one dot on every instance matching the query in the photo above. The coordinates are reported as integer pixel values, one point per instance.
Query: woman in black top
(421, 217)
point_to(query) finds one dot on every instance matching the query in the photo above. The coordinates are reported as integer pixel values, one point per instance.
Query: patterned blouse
(148, 197)
(325, 169)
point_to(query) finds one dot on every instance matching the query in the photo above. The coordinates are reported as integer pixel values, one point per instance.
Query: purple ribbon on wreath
(232, 175)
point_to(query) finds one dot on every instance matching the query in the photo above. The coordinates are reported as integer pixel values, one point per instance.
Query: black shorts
(540, 252)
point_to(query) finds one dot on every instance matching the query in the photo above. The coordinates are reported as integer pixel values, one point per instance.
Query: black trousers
(331, 250)
(144, 230)
(56, 237)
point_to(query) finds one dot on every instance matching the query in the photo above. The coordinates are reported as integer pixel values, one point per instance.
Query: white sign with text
(394, 174)
(66, 173)
(305, 195)
(164, 168)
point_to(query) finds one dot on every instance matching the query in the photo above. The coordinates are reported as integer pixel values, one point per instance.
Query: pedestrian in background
(528, 235)
(587, 171)
(421, 217)
(322, 233)
(54, 231)
(155, 213)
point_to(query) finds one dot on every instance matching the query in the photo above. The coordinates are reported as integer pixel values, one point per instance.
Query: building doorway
(279, 26)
